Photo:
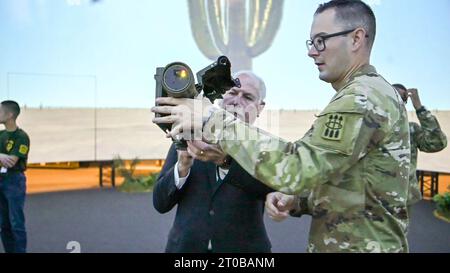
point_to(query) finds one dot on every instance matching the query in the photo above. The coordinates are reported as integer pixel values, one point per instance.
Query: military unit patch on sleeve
(333, 128)
(9, 145)
(23, 149)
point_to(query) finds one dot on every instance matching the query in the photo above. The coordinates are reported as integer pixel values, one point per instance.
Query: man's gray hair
(261, 85)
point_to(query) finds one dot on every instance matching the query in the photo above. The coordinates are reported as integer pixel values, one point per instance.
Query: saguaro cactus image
(239, 29)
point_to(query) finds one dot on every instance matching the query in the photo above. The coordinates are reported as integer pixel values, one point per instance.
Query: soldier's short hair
(353, 13)
(399, 86)
(11, 107)
(261, 85)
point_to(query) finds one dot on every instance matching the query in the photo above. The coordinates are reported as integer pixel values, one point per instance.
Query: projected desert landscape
(70, 134)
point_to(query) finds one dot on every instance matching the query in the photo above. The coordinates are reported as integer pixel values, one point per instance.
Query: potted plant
(134, 183)
(442, 206)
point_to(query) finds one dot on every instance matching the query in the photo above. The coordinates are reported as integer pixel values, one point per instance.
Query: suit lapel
(215, 183)
(211, 170)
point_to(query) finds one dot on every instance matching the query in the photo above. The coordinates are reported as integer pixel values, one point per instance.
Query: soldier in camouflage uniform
(426, 137)
(355, 159)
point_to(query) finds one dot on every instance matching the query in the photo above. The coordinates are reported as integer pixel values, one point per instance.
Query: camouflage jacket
(426, 137)
(354, 161)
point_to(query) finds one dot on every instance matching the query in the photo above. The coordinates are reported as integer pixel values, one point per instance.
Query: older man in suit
(220, 207)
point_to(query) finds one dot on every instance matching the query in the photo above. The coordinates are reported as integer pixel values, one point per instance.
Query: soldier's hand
(278, 205)
(185, 115)
(206, 152)
(185, 162)
(413, 93)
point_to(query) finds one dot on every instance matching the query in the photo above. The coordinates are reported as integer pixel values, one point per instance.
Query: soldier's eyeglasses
(319, 41)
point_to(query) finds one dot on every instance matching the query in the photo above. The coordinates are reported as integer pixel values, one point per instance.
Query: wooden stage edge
(52, 180)
(42, 180)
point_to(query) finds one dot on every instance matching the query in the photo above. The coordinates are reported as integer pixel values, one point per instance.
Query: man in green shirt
(14, 148)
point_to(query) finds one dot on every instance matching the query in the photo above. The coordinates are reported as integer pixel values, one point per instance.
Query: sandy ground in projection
(69, 135)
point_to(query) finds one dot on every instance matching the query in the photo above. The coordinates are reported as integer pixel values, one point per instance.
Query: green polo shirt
(15, 143)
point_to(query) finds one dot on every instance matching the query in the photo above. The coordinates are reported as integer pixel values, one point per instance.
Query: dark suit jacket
(230, 214)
